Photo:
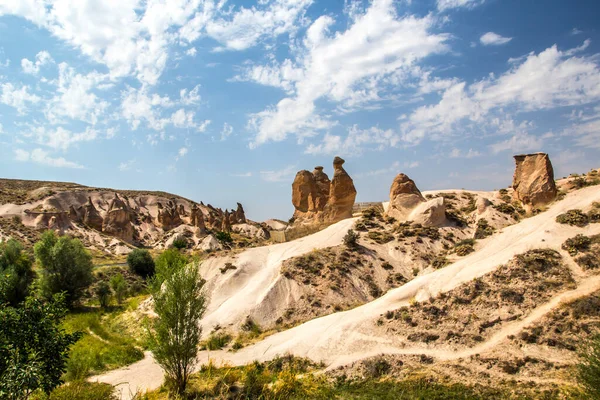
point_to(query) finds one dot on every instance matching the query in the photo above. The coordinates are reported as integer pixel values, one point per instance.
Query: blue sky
(223, 101)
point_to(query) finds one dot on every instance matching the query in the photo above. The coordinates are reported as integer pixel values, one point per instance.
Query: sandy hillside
(345, 337)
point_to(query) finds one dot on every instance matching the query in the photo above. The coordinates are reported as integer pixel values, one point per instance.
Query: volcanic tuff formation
(408, 204)
(533, 181)
(317, 199)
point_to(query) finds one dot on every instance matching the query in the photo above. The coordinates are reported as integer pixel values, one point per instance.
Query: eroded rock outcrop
(404, 197)
(117, 221)
(90, 216)
(240, 215)
(197, 219)
(226, 223)
(168, 216)
(318, 199)
(533, 182)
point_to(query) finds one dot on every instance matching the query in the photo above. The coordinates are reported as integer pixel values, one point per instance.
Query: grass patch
(216, 341)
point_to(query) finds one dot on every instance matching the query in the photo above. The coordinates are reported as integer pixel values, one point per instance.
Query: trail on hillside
(344, 337)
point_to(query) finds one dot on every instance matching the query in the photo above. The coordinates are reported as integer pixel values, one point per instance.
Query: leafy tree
(103, 293)
(179, 304)
(589, 367)
(167, 263)
(16, 273)
(140, 262)
(33, 347)
(66, 266)
(119, 286)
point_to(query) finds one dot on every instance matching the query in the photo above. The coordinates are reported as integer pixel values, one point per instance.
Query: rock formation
(533, 181)
(404, 197)
(341, 193)
(197, 219)
(168, 216)
(318, 199)
(240, 215)
(429, 213)
(117, 221)
(91, 216)
(226, 224)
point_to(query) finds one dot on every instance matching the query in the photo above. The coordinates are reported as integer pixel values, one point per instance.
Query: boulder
(404, 197)
(429, 213)
(533, 182)
(342, 194)
(210, 243)
(117, 221)
(91, 216)
(482, 204)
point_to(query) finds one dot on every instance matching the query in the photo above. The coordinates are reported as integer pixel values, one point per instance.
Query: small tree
(103, 293)
(167, 263)
(179, 304)
(589, 367)
(350, 238)
(119, 286)
(66, 266)
(16, 273)
(140, 262)
(33, 347)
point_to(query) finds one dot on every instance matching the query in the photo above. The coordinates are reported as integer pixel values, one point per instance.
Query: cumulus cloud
(18, 98)
(547, 80)
(40, 156)
(443, 5)
(283, 175)
(347, 68)
(226, 131)
(33, 67)
(518, 143)
(493, 39)
(356, 141)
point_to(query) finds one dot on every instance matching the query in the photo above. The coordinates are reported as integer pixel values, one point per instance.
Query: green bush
(103, 293)
(576, 244)
(66, 266)
(83, 390)
(573, 217)
(180, 243)
(223, 237)
(376, 367)
(167, 263)
(33, 347)
(140, 262)
(16, 273)
(217, 341)
(464, 247)
(250, 326)
(119, 286)
(483, 229)
(588, 368)
(351, 238)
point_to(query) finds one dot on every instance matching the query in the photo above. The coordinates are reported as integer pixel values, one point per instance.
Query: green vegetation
(573, 217)
(66, 266)
(180, 242)
(82, 390)
(216, 341)
(175, 336)
(119, 287)
(464, 247)
(103, 346)
(577, 244)
(103, 293)
(351, 238)
(16, 273)
(167, 263)
(483, 229)
(589, 367)
(33, 348)
(140, 262)
(586, 248)
(408, 229)
(223, 237)
(380, 237)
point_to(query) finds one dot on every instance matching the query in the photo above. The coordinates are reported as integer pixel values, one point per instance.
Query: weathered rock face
(429, 213)
(533, 181)
(168, 216)
(404, 197)
(117, 221)
(226, 223)
(240, 215)
(342, 194)
(318, 199)
(197, 219)
(91, 216)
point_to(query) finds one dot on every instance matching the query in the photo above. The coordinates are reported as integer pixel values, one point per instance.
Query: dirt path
(344, 337)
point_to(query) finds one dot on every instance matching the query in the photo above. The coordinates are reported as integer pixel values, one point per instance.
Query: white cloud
(60, 138)
(5, 63)
(183, 119)
(457, 153)
(191, 52)
(392, 169)
(242, 175)
(345, 68)
(182, 152)
(17, 98)
(33, 67)
(493, 39)
(282, 175)
(126, 165)
(448, 4)
(282, 75)
(1, 129)
(356, 141)
(520, 142)
(138, 105)
(74, 98)
(40, 156)
(576, 31)
(191, 97)
(226, 131)
(541, 81)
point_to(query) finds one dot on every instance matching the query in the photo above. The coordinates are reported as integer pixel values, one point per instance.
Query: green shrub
(140, 262)
(351, 238)
(483, 229)
(217, 341)
(167, 263)
(66, 266)
(223, 237)
(464, 247)
(576, 244)
(505, 208)
(103, 293)
(439, 262)
(380, 237)
(573, 217)
(119, 286)
(371, 213)
(376, 367)
(250, 326)
(83, 390)
(180, 243)
(588, 368)
(16, 273)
